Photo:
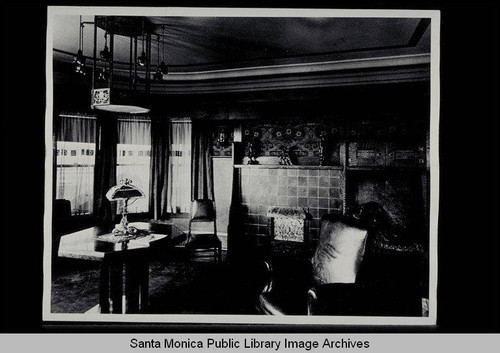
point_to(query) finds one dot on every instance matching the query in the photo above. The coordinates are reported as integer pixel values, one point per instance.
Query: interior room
(240, 165)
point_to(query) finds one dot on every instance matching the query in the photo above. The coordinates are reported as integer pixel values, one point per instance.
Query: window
(179, 176)
(133, 158)
(75, 160)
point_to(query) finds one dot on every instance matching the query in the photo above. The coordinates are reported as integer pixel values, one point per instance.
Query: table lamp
(123, 191)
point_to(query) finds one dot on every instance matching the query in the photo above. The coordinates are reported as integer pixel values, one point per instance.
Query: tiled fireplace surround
(318, 190)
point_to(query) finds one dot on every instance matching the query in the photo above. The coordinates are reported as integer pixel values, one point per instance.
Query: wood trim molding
(408, 68)
(341, 73)
(293, 83)
(293, 69)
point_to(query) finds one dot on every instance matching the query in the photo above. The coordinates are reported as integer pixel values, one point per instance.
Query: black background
(468, 266)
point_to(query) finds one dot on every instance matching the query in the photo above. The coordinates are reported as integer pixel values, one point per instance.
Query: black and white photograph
(236, 175)
(227, 166)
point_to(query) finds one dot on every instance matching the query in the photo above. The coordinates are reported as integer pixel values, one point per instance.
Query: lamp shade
(124, 191)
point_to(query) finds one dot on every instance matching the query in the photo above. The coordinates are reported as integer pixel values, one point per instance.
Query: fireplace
(265, 192)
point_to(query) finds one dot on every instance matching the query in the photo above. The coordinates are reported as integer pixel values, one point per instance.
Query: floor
(177, 286)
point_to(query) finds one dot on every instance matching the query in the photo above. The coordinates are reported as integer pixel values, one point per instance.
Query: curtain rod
(76, 116)
(135, 119)
(180, 120)
(93, 117)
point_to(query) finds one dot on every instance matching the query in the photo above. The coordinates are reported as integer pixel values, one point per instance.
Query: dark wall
(386, 126)
(386, 142)
(402, 193)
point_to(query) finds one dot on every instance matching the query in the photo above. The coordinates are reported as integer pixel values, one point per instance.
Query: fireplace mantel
(279, 166)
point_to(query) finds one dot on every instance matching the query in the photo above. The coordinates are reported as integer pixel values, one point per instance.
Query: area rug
(175, 287)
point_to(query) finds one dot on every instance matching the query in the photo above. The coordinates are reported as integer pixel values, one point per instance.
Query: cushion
(203, 241)
(339, 252)
(202, 210)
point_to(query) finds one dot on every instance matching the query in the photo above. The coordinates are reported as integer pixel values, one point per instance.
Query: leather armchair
(61, 223)
(285, 290)
(336, 259)
(371, 280)
(349, 275)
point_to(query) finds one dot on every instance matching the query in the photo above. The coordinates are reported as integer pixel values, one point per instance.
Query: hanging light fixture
(79, 59)
(158, 75)
(163, 67)
(142, 59)
(105, 54)
(103, 74)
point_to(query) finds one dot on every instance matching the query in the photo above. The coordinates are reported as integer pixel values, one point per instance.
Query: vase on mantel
(321, 153)
(253, 151)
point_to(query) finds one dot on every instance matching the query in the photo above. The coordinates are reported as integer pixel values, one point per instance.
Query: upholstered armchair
(355, 274)
(350, 274)
(336, 260)
(335, 267)
(286, 264)
(60, 223)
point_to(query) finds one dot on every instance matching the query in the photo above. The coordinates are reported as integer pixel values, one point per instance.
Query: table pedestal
(124, 282)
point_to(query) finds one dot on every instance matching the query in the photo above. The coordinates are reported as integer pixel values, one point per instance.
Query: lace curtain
(179, 176)
(75, 159)
(133, 158)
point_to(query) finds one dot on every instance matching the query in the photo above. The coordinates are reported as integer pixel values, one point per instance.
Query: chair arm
(335, 299)
(268, 279)
(266, 307)
(311, 300)
(281, 290)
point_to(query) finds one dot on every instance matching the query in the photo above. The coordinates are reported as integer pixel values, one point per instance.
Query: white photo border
(434, 15)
